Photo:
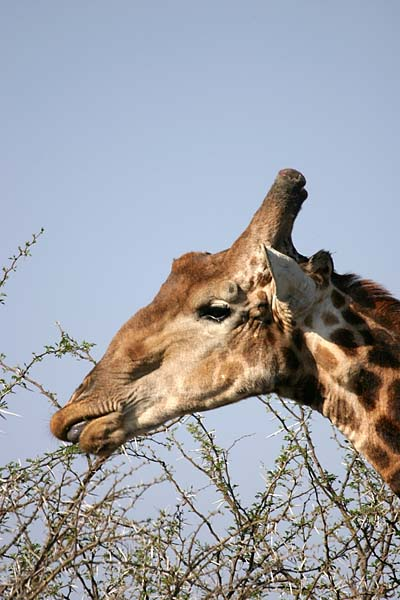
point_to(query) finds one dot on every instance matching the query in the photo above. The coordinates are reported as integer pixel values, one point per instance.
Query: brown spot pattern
(308, 391)
(394, 482)
(353, 318)
(290, 359)
(330, 319)
(298, 338)
(365, 384)
(378, 456)
(367, 337)
(338, 299)
(389, 433)
(381, 357)
(393, 396)
(344, 337)
(308, 321)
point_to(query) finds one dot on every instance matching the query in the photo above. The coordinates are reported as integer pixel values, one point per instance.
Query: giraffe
(254, 319)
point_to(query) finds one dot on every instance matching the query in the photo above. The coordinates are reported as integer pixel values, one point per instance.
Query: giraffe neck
(355, 358)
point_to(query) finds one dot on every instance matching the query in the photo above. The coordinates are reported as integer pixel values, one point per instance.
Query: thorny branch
(23, 251)
(72, 524)
(166, 518)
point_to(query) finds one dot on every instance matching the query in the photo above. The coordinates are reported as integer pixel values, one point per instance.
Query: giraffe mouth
(69, 423)
(100, 433)
(97, 434)
(74, 432)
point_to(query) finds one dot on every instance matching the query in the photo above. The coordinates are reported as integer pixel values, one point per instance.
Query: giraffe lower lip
(75, 431)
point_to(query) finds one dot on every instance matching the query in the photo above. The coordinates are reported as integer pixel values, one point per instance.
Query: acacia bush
(136, 527)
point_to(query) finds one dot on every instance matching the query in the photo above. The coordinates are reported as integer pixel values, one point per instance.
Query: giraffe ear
(295, 291)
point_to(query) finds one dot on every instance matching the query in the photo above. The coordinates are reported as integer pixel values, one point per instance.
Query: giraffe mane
(372, 299)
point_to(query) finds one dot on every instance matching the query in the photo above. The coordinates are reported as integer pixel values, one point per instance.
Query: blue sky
(135, 131)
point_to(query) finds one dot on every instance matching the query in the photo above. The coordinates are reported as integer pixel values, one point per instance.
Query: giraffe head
(209, 337)
(253, 319)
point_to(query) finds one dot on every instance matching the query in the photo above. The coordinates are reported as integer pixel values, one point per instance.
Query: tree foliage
(136, 527)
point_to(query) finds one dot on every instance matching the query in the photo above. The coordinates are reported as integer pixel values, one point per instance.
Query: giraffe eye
(214, 312)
